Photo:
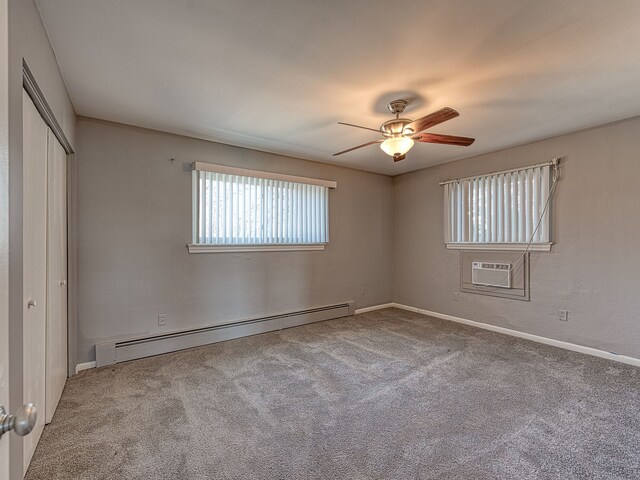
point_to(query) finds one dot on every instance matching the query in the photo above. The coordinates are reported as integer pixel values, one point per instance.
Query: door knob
(21, 423)
(63, 282)
(31, 303)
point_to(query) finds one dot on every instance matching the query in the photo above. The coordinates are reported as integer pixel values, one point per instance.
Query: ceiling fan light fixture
(396, 146)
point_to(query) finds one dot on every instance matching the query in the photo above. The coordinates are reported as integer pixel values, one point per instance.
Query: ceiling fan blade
(443, 139)
(432, 120)
(397, 158)
(359, 126)
(359, 146)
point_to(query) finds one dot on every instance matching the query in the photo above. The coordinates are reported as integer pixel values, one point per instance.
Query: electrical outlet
(363, 291)
(455, 296)
(563, 315)
(162, 319)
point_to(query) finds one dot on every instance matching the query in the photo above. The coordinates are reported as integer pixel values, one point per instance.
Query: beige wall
(593, 269)
(134, 217)
(28, 40)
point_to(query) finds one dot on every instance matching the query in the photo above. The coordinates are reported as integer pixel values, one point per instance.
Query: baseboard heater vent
(122, 350)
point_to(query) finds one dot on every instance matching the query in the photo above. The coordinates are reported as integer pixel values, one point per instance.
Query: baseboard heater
(122, 350)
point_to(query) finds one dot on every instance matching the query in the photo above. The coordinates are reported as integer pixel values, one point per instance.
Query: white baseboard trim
(85, 366)
(374, 308)
(485, 326)
(529, 336)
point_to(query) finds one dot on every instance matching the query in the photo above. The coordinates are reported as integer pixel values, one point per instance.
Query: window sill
(520, 247)
(199, 248)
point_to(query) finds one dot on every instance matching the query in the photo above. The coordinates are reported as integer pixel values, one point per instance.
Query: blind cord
(554, 183)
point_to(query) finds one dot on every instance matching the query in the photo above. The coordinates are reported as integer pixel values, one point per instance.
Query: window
(500, 211)
(238, 210)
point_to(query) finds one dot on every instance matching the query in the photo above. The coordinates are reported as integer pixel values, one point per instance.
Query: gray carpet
(383, 395)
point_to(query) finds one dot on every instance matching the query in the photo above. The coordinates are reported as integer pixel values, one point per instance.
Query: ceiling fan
(401, 133)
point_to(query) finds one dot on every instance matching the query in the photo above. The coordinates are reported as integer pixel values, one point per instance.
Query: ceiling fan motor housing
(395, 127)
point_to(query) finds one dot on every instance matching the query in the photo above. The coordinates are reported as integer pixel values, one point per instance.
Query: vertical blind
(245, 210)
(498, 208)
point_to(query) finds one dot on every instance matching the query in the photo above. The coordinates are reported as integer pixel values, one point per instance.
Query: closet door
(34, 275)
(56, 353)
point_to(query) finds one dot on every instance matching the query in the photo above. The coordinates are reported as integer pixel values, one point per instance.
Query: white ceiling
(277, 75)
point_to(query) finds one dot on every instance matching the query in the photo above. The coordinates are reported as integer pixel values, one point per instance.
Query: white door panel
(56, 352)
(34, 226)
(4, 232)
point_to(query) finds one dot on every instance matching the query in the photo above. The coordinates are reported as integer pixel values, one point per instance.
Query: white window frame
(460, 224)
(195, 247)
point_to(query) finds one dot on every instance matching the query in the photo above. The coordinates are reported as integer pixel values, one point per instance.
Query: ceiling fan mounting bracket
(397, 106)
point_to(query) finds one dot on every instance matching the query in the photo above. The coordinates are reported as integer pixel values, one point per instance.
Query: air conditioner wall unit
(489, 274)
